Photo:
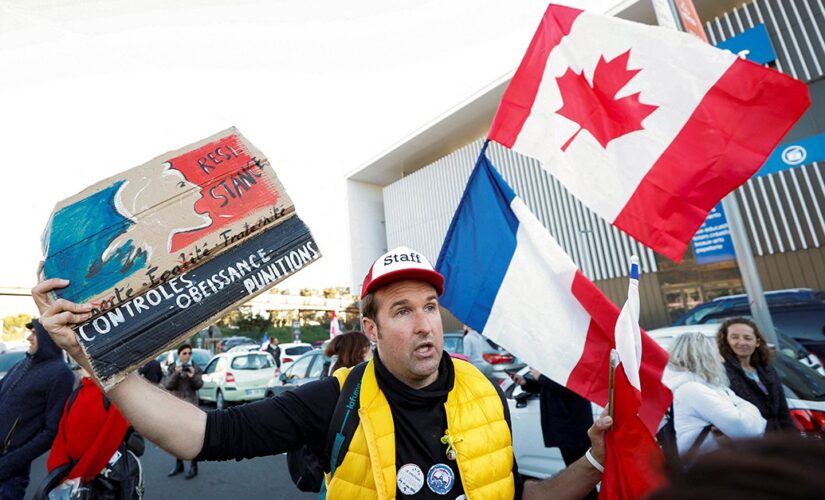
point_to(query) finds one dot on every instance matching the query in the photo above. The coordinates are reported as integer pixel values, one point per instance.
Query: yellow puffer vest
(475, 420)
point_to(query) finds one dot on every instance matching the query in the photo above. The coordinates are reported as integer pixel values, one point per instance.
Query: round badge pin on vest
(410, 479)
(440, 479)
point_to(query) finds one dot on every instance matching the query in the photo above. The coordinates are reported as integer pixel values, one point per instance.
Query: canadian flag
(647, 126)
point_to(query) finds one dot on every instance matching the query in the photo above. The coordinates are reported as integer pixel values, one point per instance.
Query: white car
(234, 377)
(290, 351)
(533, 459)
(804, 389)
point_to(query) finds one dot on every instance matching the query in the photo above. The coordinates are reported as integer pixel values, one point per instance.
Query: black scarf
(400, 394)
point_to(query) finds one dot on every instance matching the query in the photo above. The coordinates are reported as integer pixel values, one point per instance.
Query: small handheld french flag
(628, 333)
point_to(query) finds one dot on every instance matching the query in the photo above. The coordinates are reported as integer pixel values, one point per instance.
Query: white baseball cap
(401, 263)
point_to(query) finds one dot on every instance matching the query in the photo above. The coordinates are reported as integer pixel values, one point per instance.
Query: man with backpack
(410, 423)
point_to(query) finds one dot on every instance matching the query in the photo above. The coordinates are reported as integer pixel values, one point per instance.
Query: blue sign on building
(754, 44)
(794, 154)
(712, 242)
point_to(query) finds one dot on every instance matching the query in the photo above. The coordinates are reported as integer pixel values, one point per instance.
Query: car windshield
(8, 359)
(452, 344)
(800, 381)
(802, 322)
(297, 350)
(201, 357)
(698, 314)
(251, 362)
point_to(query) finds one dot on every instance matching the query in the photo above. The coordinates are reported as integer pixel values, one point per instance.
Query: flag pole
(686, 20)
(614, 361)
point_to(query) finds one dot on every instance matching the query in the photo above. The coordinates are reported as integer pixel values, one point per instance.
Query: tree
(246, 320)
(14, 327)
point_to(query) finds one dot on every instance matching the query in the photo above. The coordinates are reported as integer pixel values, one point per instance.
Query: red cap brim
(430, 276)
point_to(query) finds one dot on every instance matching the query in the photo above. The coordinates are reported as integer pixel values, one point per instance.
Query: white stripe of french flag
(628, 333)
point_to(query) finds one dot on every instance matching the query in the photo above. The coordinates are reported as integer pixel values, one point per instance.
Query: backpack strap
(694, 448)
(73, 396)
(71, 399)
(345, 417)
(67, 409)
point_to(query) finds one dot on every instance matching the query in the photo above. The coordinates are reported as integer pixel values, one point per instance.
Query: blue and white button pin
(440, 479)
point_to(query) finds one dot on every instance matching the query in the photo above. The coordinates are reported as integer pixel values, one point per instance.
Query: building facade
(408, 195)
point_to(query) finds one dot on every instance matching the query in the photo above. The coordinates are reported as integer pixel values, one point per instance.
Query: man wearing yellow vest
(426, 426)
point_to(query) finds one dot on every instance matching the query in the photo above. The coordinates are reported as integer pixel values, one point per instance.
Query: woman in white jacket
(701, 397)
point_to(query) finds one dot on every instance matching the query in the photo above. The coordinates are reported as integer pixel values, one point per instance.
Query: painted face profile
(160, 205)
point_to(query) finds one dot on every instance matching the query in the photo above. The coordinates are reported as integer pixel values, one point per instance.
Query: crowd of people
(425, 424)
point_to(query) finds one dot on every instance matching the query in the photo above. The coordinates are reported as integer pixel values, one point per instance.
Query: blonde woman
(704, 407)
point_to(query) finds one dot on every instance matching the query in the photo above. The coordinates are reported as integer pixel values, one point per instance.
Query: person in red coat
(89, 433)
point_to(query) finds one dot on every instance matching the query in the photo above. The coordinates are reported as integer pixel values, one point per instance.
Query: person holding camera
(184, 380)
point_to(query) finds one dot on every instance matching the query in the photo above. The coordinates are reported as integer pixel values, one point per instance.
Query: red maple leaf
(595, 108)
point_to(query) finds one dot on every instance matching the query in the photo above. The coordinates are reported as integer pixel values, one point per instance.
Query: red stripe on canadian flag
(719, 149)
(518, 100)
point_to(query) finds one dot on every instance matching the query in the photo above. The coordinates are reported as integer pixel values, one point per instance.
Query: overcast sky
(92, 88)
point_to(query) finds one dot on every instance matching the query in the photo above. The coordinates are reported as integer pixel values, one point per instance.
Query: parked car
(10, 357)
(246, 348)
(233, 377)
(291, 350)
(306, 368)
(497, 361)
(200, 357)
(533, 458)
(799, 312)
(804, 389)
(230, 342)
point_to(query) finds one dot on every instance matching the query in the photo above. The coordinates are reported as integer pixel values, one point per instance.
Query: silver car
(497, 363)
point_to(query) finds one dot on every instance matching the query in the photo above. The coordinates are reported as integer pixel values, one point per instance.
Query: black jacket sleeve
(273, 425)
(783, 420)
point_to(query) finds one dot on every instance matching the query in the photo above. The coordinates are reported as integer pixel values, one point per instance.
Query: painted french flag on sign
(505, 276)
(647, 126)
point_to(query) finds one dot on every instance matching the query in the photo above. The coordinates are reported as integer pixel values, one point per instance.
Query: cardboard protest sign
(163, 249)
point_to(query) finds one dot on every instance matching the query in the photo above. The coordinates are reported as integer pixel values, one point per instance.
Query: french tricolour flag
(633, 459)
(647, 126)
(506, 276)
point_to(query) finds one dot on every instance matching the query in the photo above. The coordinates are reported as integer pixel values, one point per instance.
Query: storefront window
(689, 284)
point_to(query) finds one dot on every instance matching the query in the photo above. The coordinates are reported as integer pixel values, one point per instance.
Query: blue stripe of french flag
(506, 276)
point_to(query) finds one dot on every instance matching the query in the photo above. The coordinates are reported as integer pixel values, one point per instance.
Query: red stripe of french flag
(589, 377)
